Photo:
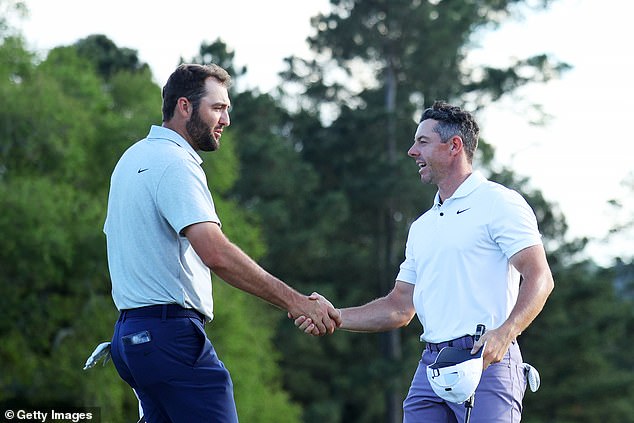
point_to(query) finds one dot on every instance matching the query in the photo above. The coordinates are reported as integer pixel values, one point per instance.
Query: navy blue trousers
(164, 354)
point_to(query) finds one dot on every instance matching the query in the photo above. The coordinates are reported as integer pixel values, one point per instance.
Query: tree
(54, 282)
(55, 293)
(107, 57)
(580, 344)
(317, 186)
(356, 187)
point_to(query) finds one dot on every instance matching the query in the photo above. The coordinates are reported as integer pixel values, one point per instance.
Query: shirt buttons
(442, 214)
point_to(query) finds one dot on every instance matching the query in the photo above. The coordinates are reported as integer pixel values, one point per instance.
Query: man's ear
(183, 107)
(456, 144)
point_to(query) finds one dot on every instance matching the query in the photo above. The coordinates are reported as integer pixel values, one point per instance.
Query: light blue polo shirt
(457, 256)
(157, 189)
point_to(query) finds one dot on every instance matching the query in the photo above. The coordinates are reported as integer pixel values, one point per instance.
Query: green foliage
(54, 288)
(416, 49)
(222, 167)
(581, 346)
(55, 296)
(219, 53)
(107, 57)
(324, 206)
(71, 117)
(342, 230)
(249, 352)
(361, 155)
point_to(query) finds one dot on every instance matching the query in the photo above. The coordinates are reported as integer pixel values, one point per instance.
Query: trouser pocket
(206, 350)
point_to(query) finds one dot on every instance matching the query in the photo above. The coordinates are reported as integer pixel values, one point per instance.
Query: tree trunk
(391, 341)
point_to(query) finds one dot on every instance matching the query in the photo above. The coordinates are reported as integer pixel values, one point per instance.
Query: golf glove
(532, 376)
(102, 351)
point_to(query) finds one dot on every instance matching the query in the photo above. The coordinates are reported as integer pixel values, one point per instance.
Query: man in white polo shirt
(163, 237)
(464, 260)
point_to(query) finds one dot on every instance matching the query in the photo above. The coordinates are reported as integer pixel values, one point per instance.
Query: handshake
(318, 317)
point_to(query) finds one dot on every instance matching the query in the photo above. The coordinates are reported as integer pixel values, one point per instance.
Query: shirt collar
(161, 132)
(467, 187)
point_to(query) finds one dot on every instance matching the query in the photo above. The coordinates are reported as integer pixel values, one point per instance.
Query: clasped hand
(320, 324)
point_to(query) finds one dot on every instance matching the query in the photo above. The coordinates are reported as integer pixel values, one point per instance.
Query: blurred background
(313, 181)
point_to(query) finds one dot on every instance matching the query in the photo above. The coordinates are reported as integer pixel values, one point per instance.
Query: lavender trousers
(498, 398)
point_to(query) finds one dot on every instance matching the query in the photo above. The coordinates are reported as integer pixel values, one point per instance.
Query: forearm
(229, 262)
(365, 319)
(393, 311)
(240, 271)
(235, 267)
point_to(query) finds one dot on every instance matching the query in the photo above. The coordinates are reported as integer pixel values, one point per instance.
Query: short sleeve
(513, 225)
(407, 271)
(183, 197)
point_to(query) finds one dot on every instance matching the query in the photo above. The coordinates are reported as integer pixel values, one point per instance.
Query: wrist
(294, 304)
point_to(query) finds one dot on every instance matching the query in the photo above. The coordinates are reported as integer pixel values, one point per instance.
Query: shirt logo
(463, 210)
(141, 170)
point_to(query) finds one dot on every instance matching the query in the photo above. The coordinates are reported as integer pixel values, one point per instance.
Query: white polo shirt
(457, 255)
(156, 190)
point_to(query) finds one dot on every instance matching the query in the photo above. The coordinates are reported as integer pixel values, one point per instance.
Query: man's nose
(224, 118)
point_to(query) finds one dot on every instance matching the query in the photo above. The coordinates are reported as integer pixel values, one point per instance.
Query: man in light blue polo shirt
(163, 237)
(464, 260)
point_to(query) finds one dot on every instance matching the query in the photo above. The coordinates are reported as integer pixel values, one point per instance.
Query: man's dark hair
(452, 120)
(188, 80)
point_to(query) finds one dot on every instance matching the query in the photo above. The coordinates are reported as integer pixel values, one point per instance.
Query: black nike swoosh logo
(141, 170)
(462, 211)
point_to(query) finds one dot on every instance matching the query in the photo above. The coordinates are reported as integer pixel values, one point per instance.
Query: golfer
(163, 237)
(464, 260)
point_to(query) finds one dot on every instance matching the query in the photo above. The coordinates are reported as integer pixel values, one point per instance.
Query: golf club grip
(480, 329)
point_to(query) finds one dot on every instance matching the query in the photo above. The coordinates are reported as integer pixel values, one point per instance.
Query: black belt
(465, 342)
(163, 311)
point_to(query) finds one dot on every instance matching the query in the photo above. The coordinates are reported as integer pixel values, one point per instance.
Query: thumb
(315, 296)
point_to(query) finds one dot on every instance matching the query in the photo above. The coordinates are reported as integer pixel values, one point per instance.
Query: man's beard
(200, 133)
